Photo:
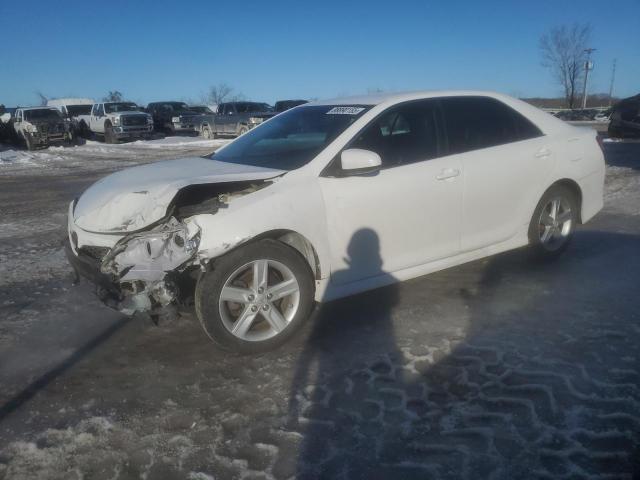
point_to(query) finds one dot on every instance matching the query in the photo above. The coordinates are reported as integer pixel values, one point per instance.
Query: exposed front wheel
(256, 297)
(30, 144)
(553, 221)
(207, 133)
(242, 130)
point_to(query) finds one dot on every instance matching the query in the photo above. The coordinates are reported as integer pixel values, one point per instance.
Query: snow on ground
(494, 369)
(96, 156)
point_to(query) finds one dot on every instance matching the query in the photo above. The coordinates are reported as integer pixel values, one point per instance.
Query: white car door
(505, 159)
(405, 215)
(97, 120)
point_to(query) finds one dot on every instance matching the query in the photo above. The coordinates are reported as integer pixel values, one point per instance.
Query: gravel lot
(500, 368)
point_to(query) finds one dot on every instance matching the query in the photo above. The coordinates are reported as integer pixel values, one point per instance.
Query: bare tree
(113, 96)
(220, 93)
(563, 52)
(42, 98)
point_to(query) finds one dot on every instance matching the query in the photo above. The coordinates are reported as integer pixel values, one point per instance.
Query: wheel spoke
(555, 206)
(564, 216)
(282, 289)
(546, 220)
(260, 274)
(235, 294)
(546, 235)
(244, 322)
(275, 318)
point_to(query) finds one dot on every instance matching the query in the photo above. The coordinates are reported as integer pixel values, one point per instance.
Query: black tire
(242, 130)
(210, 284)
(109, 136)
(564, 233)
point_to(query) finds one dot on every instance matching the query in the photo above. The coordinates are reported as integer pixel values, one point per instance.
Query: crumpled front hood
(136, 197)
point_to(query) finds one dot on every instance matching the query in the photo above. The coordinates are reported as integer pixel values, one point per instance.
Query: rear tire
(553, 223)
(255, 298)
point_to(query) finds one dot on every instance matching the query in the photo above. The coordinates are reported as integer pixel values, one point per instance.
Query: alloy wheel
(555, 223)
(259, 300)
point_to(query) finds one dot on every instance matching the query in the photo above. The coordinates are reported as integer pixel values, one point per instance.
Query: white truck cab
(117, 120)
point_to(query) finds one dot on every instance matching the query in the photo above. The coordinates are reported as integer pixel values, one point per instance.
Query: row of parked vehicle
(67, 120)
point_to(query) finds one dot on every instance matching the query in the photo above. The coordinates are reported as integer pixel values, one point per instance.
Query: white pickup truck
(115, 121)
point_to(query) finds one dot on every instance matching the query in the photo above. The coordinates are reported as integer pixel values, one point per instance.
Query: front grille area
(130, 120)
(97, 253)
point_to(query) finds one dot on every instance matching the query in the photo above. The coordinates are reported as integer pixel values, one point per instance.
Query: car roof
(397, 97)
(38, 108)
(546, 122)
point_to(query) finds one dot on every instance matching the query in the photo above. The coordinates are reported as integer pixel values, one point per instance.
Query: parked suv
(116, 120)
(330, 199)
(234, 119)
(173, 117)
(40, 126)
(625, 118)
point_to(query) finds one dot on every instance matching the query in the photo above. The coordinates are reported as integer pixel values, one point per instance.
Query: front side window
(403, 134)
(291, 139)
(473, 123)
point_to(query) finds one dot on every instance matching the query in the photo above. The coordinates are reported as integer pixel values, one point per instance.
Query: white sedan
(330, 199)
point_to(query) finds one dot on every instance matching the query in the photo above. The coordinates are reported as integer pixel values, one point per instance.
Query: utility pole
(587, 66)
(613, 77)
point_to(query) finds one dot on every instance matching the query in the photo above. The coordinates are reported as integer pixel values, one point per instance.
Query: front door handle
(448, 173)
(543, 153)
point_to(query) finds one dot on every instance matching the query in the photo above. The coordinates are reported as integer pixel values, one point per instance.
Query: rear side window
(473, 123)
(404, 134)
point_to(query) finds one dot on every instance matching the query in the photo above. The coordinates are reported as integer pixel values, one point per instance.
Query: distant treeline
(593, 101)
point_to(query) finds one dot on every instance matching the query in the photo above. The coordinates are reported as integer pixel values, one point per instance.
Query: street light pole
(587, 66)
(613, 77)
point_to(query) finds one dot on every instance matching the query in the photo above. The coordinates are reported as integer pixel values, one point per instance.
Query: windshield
(293, 138)
(42, 114)
(120, 107)
(74, 110)
(249, 107)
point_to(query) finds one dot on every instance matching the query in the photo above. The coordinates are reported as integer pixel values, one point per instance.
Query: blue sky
(269, 50)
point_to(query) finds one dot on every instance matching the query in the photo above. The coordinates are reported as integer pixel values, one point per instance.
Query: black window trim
(333, 167)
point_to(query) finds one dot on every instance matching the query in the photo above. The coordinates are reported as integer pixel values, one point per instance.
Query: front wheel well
(575, 188)
(291, 238)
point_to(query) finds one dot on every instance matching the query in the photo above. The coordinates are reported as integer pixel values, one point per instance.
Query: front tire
(109, 136)
(242, 130)
(30, 144)
(207, 134)
(255, 298)
(553, 223)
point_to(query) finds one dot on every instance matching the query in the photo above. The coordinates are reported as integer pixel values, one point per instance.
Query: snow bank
(38, 159)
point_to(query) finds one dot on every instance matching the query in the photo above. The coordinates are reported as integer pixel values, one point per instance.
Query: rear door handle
(448, 173)
(543, 153)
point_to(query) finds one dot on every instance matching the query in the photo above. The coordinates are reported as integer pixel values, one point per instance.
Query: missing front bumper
(125, 297)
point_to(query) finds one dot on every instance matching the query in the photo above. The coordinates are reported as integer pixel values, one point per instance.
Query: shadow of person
(351, 343)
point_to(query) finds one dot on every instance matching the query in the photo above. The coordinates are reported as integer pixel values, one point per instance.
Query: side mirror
(356, 161)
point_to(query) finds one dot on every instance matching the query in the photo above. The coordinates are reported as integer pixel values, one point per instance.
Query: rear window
(473, 123)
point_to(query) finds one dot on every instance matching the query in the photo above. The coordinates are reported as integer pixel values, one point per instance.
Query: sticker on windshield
(345, 111)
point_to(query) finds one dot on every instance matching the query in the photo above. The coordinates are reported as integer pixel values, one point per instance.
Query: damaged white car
(330, 199)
